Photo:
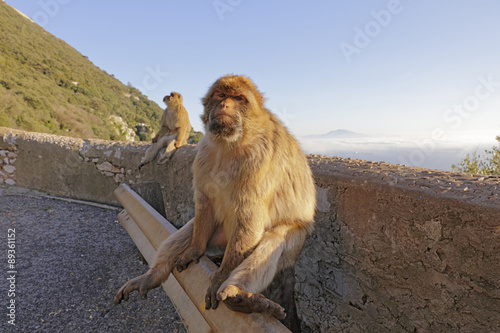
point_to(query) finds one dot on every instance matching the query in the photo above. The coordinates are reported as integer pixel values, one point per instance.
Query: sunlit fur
(254, 197)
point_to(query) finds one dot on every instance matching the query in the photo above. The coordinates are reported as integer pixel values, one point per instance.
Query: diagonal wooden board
(187, 289)
(191, 317)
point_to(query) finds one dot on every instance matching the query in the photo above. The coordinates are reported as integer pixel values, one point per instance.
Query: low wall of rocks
(396, 249)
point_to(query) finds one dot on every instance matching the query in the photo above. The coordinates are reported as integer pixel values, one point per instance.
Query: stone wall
(399, 249)
(8, 157)
(91, 169)
(396, 249)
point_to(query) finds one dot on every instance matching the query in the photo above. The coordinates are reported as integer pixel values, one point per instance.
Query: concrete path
(70, 259)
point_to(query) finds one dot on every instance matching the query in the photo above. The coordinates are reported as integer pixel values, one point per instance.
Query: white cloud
(417, 151)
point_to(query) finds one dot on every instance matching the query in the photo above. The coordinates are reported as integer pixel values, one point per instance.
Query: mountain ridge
(47, 86)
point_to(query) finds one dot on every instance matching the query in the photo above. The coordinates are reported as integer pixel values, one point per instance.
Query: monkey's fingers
(211, 301)
(142, 283)
(123, 293)
(118, 297)
(189, 255)
(143, 293)
(181, 264)
(233, 301)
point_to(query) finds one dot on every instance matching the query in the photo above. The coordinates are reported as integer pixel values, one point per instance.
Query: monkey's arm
(182, 136)
(163, 128)
(245, 236)
(204, 227)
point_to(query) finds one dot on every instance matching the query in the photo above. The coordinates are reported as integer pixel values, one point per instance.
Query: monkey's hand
(190, 254)
(155, 139)
(211, 299)
(142, 283)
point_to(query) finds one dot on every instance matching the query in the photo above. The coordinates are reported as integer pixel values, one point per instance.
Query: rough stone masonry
(396, 248)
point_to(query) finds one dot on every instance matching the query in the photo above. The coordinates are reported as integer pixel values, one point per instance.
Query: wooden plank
(150, 191)
(195, 280)
(191, 317)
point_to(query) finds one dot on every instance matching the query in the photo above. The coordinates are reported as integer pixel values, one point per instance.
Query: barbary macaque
(254, 200)
(173, 133)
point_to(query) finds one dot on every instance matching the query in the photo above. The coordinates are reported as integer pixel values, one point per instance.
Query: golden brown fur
(254, 199)
(173, 133)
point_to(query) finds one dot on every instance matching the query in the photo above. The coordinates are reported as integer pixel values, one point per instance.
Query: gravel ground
(70, 260)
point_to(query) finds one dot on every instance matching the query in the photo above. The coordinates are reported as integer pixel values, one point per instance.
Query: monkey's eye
(239, 98)
(222, 95)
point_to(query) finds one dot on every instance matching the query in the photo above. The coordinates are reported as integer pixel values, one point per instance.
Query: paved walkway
(70, 260)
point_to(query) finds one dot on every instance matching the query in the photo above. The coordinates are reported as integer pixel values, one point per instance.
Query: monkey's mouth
(223, 125)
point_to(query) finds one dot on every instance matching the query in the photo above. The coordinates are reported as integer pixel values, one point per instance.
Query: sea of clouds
(412, 151)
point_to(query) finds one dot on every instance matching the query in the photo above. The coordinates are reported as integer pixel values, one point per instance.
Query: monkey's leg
(169, 151)
(182, 136)
(277, 249)
(148, 156)
(163, 264)
(151, 152)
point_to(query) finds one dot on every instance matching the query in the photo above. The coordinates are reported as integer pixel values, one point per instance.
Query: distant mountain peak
(339, 133)
(342, 132)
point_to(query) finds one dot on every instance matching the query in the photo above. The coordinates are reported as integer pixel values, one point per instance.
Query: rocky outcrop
(122, 128)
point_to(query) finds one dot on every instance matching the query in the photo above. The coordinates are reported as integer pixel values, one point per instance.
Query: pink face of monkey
(225, 118)
(233, 105)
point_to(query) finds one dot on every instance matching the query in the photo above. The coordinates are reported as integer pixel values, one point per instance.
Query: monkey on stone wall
(254, 201)
(173, 133)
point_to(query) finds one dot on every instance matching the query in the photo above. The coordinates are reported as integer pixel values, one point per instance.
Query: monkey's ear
(206, 100)
(204, 118)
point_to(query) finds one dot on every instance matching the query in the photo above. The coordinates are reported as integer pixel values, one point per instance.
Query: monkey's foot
(139, 167)
(241, 300)
(142, 283)
(165, 157)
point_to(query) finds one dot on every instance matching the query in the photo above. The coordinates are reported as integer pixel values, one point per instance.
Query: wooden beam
(191, 317)
(150, 191)
(195, 279)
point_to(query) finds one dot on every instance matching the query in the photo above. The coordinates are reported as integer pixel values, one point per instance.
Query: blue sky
(404, 67)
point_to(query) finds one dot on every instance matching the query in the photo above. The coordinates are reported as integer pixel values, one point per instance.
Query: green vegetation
(476, 164)
(47, 86)
(195, 137)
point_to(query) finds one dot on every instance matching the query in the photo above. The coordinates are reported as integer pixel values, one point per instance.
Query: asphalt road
(70, 259)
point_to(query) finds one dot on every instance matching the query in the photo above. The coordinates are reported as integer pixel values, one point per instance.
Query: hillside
(47, 86)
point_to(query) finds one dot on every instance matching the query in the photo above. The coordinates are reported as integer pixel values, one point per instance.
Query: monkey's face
(225, 114)
(173, 99)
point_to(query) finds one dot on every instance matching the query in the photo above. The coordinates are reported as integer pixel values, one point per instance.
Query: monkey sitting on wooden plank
(254, 201)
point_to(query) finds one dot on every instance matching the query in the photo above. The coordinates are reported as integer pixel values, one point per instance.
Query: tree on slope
(489, 164)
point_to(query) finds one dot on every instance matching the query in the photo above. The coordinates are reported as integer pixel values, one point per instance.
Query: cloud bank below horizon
(418, 152)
